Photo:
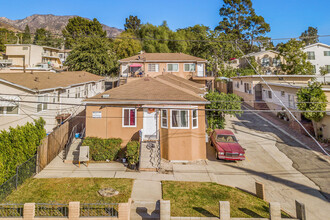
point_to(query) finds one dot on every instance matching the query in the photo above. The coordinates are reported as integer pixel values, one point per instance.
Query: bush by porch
(103, 149)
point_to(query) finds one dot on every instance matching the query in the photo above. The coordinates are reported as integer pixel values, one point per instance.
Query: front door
(200, 70)
(149, 124)
(258, 92)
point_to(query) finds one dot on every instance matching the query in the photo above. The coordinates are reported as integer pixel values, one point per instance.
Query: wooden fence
(55, 142)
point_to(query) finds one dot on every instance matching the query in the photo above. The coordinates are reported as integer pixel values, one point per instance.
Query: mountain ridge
(53, 23)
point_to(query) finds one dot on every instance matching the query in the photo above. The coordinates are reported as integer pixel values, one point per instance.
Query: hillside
(52, 23)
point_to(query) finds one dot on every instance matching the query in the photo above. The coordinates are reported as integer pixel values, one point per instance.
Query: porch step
(149, 157)
(73, 154)
(145, 210)
(261, 106)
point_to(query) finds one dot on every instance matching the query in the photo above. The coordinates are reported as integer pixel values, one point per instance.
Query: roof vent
(105, 96)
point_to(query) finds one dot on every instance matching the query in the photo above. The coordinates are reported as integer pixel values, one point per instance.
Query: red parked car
(226, 145)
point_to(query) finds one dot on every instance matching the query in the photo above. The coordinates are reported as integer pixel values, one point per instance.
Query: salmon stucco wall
(184, 144)
(176, 144)
(110, 124)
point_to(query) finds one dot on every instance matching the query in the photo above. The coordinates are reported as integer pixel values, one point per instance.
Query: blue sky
(288, 18)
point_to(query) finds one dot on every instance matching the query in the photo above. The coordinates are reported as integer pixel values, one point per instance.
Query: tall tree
(26, 35)
(313, 101)
(132, 23)
(79, 27)
(125, 46)
(45, 38)
(310, 36)
(240, 19)
(6, 37)
(296, 62)
(94, 55)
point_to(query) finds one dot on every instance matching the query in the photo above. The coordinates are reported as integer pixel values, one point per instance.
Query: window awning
(10, 102)
(135, 65)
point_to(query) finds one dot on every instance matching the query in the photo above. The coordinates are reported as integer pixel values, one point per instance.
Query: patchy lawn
(196, 199)
(65, 190)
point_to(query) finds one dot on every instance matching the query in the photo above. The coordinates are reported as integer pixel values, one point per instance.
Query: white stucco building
(319, 55)
(53, 96)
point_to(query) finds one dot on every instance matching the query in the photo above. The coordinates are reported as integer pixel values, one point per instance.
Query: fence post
(165, 209)
(74, 210)
(29, 211)
(224, 210)
(124, 211)
(300, 211)
(16, 184)
(260, 190)
(275, 211)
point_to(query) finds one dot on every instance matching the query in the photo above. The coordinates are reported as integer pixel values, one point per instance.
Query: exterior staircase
(149, 156)
(73, 152)
(260, 105)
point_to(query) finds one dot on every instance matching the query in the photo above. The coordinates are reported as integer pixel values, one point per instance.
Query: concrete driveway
(265, 163)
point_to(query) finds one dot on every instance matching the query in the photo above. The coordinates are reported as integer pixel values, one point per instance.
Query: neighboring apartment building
(319, 55)
(165, 109)
(269, 62)
(251, 90)
(154, 64)
(63, 54)
(31, 55)
(287, 93)
(27, 96)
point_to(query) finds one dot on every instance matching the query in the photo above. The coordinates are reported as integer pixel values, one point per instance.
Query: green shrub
(19, 144)
(103, 149)
(133, 152)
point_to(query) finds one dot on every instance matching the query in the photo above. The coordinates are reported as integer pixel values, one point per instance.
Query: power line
(96, 98)
(286, 108)
(138, 106)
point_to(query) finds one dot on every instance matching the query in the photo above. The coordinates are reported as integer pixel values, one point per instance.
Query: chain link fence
(23, 172)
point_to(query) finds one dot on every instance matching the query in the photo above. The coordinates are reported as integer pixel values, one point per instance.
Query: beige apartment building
(269, 62)
(30, 55)
(52, 96)
(155, 64)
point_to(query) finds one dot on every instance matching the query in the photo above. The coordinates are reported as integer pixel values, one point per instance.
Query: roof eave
(144, 102)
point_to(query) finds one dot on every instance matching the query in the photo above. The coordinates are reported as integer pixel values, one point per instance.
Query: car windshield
(226, 138)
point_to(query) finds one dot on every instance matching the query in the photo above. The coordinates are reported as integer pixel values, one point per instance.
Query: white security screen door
(149, 124)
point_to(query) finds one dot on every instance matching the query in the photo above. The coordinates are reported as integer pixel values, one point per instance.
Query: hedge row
(103, 149)
(18, 145)
(133, 152)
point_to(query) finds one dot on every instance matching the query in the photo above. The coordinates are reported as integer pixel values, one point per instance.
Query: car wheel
(216, 155)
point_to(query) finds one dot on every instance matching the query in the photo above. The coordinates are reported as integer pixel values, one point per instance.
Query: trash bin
(77, 135)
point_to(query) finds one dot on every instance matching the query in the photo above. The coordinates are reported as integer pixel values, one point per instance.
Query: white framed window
(282, 93)
(326, 53)
(265, 61)
(172, 67)
(180, 119)
(164, 122)
(291, 101)
(129, 117)
(194, 118)
(9, 110)
(153, 67)
(42, 105)
(269, 94)
(68, 93)
(189, 67)
(310, 55)
(276, 62)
